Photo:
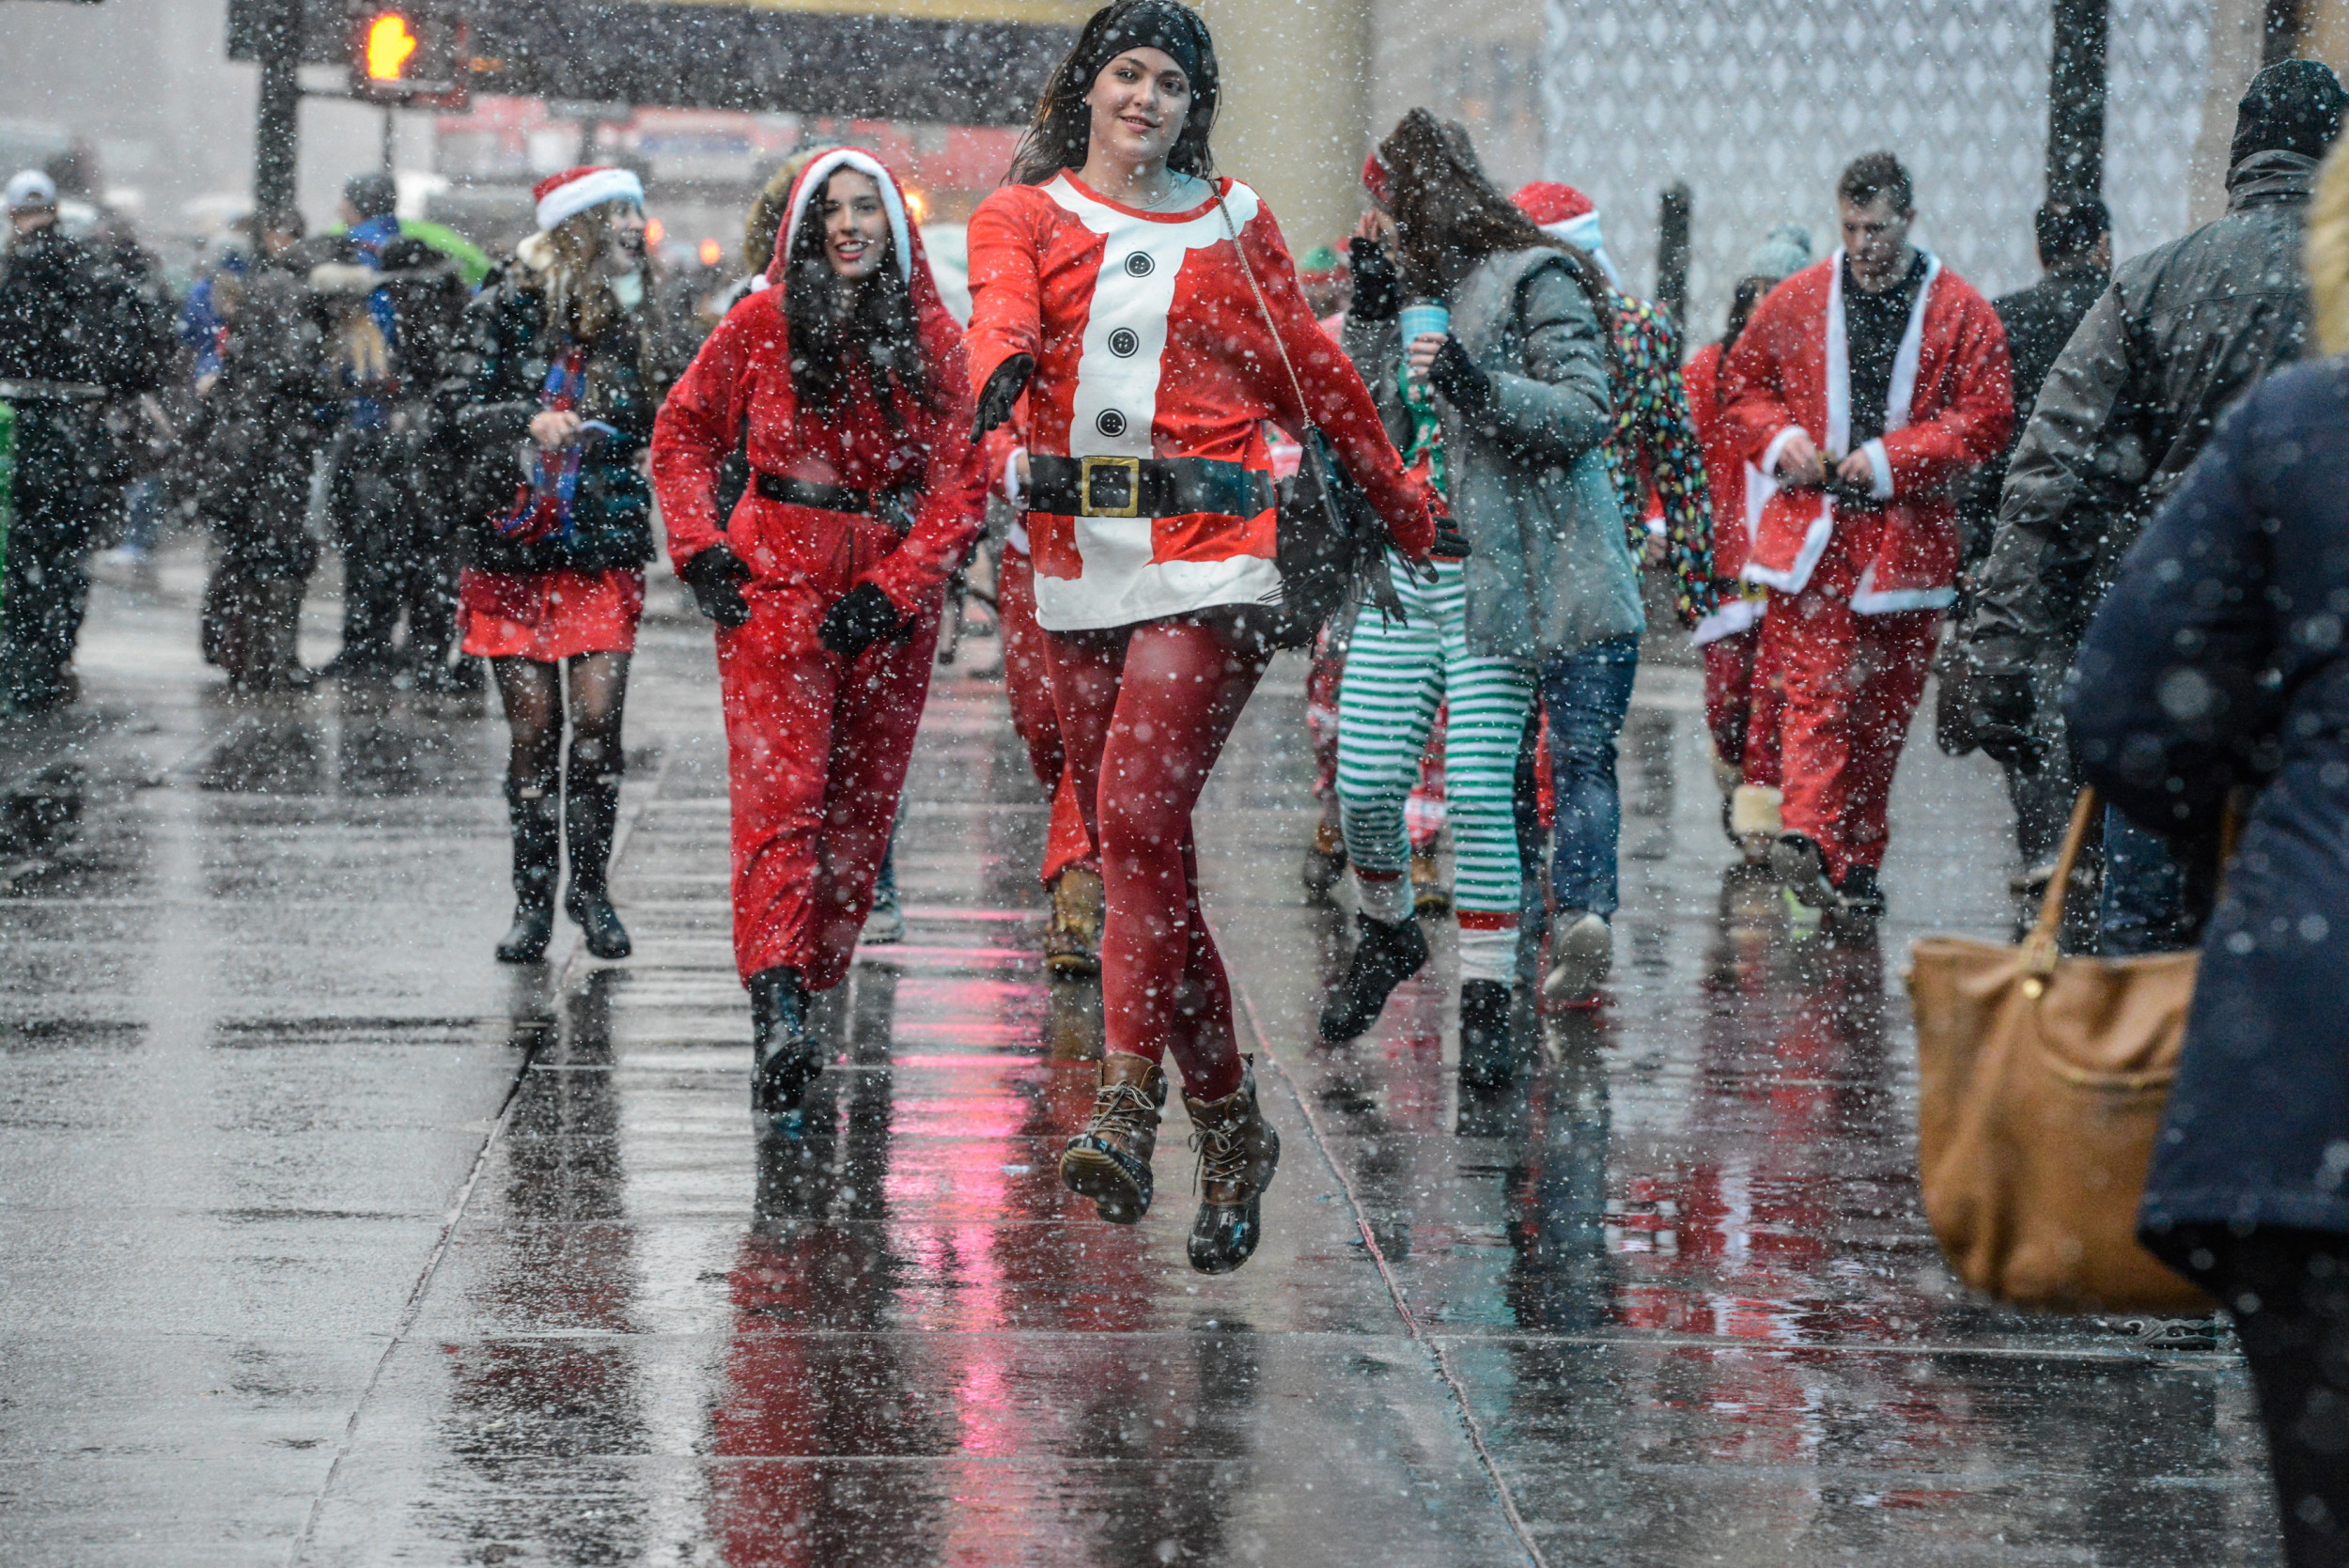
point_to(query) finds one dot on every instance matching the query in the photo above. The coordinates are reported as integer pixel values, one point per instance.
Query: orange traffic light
(389, 45)
(413, 52)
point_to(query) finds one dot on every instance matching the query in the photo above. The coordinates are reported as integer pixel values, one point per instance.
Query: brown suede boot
(1109, 1161)
(1072, 938)
(1238, 1154)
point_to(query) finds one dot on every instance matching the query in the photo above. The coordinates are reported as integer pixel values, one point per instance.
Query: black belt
(888, 506)
(1144, 487)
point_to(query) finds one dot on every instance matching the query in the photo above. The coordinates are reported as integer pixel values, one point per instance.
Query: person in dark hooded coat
(2218, 663)
(2178, 335)
(73, 331)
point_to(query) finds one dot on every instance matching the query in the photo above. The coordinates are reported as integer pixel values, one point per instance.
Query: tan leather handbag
(2044, 1077)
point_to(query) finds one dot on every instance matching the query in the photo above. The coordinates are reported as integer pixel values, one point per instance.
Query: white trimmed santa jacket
(1951, 407)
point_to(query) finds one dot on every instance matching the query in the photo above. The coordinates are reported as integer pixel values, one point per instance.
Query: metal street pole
(1674, 212)
(277, 124)
(2075, 99)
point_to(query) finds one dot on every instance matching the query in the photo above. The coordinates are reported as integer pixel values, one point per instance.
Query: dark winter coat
(504, 348)
(2039, 321)
(2218, 658)
(2178, 335)
(245, 463)
(69, 316)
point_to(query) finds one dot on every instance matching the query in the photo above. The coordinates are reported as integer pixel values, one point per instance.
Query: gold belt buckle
(1129, 467)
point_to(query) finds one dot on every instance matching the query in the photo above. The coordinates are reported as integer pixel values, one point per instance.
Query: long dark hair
(839, 327)
(1062, 130)
(1448, 217)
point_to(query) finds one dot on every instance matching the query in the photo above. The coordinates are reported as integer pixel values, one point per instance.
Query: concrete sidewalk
(327, 1240)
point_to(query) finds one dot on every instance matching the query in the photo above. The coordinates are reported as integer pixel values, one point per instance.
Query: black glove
(858, 621)
(1001, 391)
(1450, 544)
(1456, 376)
(716, 576)
(1378, 286)
(2005, 718)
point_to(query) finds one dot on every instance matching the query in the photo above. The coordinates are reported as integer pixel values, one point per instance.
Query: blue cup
(1419, 319)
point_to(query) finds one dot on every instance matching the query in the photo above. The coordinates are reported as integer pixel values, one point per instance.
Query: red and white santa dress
(1150, 505)
(817, 745)
(1857, 586)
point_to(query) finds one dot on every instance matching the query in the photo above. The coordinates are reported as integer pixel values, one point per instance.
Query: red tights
(1145, 711)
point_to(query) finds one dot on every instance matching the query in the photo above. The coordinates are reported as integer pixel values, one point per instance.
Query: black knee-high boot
(591, 810)
(537, 856)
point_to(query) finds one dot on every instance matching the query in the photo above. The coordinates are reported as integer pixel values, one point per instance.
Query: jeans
(1585, 694)
(2149, 904)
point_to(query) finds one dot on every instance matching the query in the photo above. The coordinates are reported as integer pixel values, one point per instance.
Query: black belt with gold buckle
(1144, 487)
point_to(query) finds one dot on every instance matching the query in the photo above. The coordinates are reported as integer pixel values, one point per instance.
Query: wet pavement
(323, 1238)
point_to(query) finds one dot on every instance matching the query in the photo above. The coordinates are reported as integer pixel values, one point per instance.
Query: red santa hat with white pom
(575, 190)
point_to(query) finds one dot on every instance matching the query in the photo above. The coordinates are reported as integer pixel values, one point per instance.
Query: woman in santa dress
(1152, 314)
(827, 579)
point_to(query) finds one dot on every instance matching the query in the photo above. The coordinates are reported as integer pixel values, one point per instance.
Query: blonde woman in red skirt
(563, 363)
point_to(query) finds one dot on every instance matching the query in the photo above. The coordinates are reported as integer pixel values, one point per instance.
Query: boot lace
(1222, 1155)
(1121, 1114)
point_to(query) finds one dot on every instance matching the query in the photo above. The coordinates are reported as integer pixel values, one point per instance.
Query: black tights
(532, 693)
(2289, 1291)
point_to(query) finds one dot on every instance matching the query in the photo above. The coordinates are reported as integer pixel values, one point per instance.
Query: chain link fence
(1758, 104)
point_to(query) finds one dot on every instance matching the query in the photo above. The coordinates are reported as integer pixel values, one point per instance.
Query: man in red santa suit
(1864, 386)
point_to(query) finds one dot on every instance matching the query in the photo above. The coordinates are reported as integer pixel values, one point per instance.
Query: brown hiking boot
(1325, 862)
(1429, 896)
(1238, 1154)
(1109, 1161)
(1072, 938)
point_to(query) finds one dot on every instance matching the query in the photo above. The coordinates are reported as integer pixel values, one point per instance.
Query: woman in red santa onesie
(848, 376)
(1072, 872)
(1864, 386)
(1152, 314)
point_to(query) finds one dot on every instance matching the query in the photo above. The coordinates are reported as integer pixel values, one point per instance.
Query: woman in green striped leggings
(1503, 412)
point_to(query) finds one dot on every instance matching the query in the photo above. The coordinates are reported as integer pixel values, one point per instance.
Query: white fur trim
(1798, 577)
(812, 180)
(1770, 454)
(1738, 615)
(1583, 234)
(1880, 467)
(575, 197)
(1867, 600)
(1013, 489)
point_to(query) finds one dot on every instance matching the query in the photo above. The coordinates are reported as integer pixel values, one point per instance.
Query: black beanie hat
(1164, 25)
(371, 194)
(2293, 106)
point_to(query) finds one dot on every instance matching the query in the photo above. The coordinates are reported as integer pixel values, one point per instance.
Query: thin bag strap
(2040, 947)
(1265, 310)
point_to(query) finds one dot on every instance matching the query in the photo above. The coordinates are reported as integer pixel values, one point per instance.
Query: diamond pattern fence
(1758, 104)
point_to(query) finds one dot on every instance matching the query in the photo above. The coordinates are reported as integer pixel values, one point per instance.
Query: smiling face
(623, 248)
(1138, 105)
(855, 224)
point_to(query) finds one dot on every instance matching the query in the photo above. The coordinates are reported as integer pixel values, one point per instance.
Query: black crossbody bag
(1330, 544)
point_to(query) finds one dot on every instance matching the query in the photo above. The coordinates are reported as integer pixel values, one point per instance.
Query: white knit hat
(576, 189)
(31, 191)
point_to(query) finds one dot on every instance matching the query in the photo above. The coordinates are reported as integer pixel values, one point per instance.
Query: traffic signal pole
(277, 124)
(2075, 99)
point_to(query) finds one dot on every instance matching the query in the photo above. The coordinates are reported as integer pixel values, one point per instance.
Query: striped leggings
(1396, 676)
